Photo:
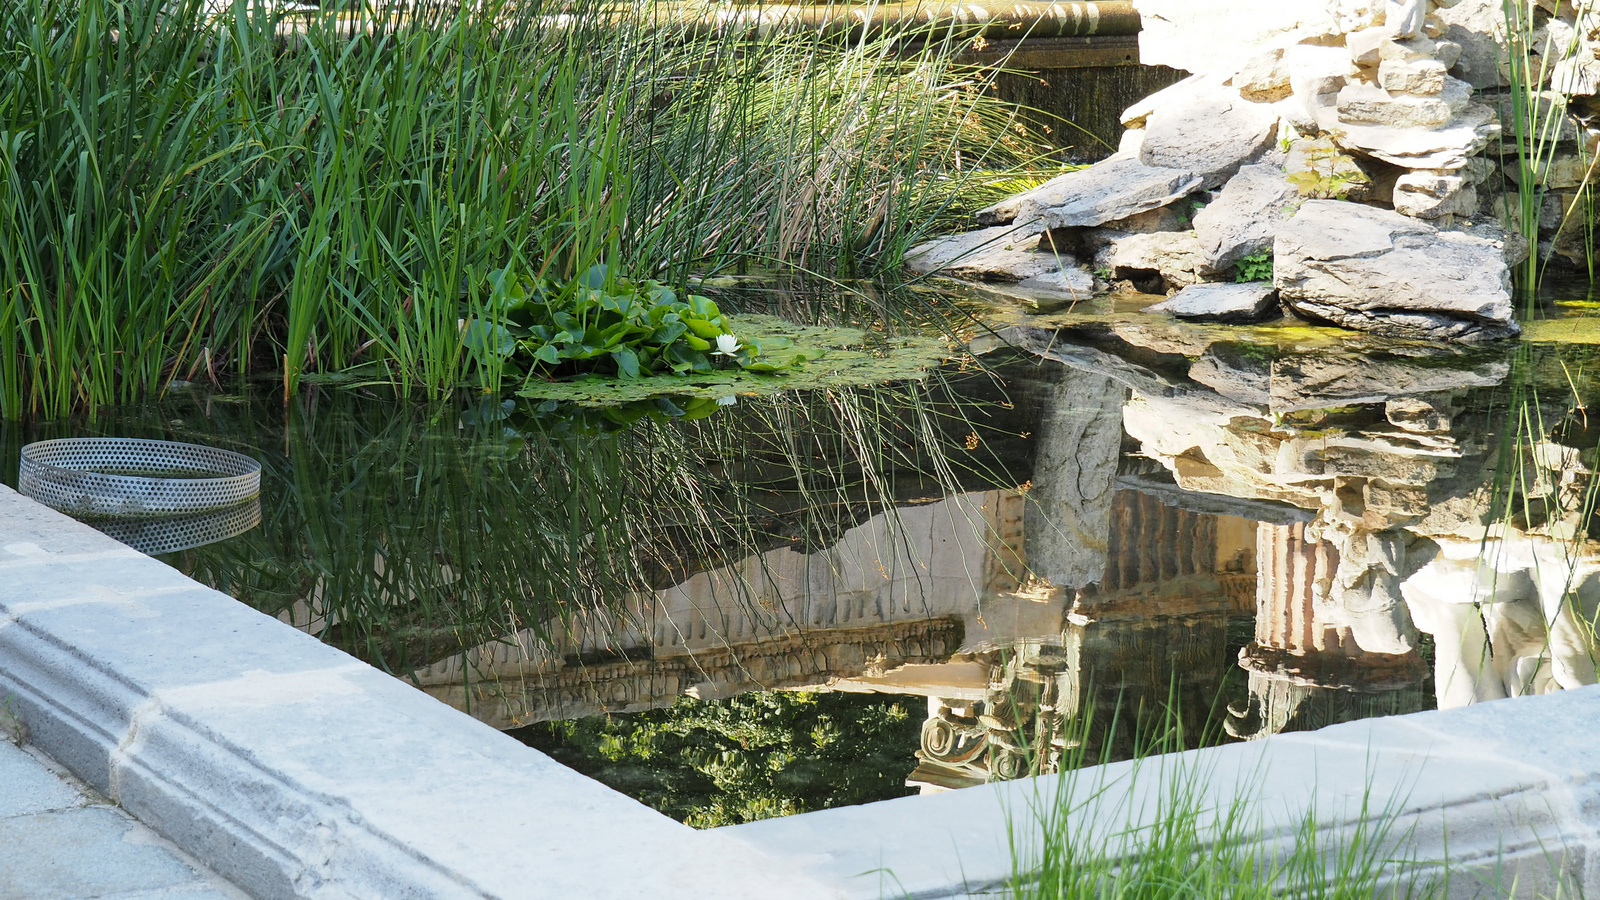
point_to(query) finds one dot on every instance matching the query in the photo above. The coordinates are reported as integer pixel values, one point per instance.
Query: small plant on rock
(1255, 267)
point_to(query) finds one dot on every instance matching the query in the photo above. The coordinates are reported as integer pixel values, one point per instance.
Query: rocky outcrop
(1248, 302)
(1117, 188)
(1211, 134)
(1304, 101)
(1011, 259)
(1174, 257)
(1380, 271)
(1242, 219)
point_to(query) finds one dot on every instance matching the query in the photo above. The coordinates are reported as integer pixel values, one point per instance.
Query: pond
(1075, 538)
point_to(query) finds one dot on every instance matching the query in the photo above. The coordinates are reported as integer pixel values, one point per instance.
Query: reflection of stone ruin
(896, 590)
(1305, 670)
(1393, 467)
(1178, 483)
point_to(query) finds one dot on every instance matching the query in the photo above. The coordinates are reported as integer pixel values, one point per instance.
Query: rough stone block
(1244, 216)
(1264, 79)
(1377, 270)
(1424, 76)
(1210, 137)
(1367, 104)
(1434, 195)
(1111, 189)
(1243, 303)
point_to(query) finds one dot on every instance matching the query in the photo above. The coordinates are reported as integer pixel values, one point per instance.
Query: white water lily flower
(729, 400)
(727, 344)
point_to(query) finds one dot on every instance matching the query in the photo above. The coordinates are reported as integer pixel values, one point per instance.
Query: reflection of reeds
(1544, 489)
(188, 193)
(406, 537)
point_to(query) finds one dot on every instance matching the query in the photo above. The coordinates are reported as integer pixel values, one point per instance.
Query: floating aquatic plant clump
(604, 325)
(834, 356)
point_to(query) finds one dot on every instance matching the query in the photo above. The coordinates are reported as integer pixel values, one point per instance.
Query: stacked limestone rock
(1347, 151)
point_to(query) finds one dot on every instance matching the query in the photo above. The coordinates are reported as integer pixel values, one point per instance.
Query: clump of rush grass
(1155, 828)
(1534, 119)
(193, 193)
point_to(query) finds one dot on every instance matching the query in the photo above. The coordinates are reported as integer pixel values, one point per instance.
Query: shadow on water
(820, 597)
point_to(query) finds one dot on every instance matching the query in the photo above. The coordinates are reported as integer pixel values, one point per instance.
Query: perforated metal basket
(135, 478)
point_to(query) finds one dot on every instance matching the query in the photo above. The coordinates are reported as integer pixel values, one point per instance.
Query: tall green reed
(234, 193)
(1536, 116)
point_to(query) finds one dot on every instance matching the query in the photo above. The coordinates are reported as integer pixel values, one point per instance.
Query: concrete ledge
(1508, 790)
(297, 771)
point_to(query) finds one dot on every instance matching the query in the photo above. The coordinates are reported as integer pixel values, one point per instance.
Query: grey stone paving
(59, 841)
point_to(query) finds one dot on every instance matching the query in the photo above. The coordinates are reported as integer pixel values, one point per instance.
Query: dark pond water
(1074, 544)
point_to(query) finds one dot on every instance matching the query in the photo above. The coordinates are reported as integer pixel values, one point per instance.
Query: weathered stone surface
(1542, 107)
(1433, 195)
(1419, 48)
(1563, 171)
(1513, 247)
(1367, 104)
(1181, 93)
(1264, 79)
(1477, 27)
(1175, 255)
(1112, 189)
(1013, 259)
(1448, 147)
(1250, 302)
(1210, 137)
(1363, 46)
(998, 253)
(1404, 18)
(1316, 73)
(1049, 290)
(1244, 216)
(1422, 76)
(1377, 270)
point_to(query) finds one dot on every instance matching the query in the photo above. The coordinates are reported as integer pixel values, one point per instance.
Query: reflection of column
(1068, 525)
(1306, 671)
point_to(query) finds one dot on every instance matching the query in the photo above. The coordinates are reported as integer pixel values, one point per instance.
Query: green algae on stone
(834, 356)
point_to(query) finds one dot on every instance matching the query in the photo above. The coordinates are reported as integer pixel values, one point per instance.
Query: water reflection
(169, 534)
(1226, 535)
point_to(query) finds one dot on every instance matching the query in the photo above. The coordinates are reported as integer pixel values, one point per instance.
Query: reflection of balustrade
(1151, 542)
(900, 589)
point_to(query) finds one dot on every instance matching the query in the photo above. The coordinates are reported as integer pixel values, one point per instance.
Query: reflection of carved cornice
(1361, 672)
(631, 685)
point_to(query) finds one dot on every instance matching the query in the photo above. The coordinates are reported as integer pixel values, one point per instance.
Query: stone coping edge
(1508, 792)
(297, 771)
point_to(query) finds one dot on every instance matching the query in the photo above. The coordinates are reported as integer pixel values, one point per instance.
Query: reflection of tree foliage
(754, 756)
